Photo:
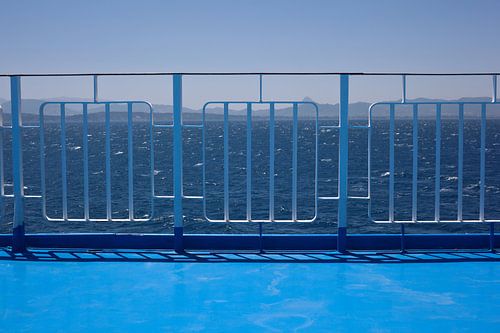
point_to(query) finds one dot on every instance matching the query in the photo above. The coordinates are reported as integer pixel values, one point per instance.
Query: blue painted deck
(423, 292)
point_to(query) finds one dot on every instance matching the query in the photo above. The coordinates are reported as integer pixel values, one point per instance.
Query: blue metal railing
(437, 175)
(19, 237)
(272, 140)
(18, 241)
(108, 188)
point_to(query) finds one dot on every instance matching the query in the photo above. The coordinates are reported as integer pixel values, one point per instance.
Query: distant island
(357, 111)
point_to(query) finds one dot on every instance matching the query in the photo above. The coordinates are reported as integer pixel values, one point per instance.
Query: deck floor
(250, 296)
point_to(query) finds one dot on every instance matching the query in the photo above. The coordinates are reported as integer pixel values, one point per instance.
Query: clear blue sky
(258, 35)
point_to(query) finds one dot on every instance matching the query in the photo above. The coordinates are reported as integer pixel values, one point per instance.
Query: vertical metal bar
(96, 89)
(403, 98)
(151, 160)
(249, 161)
(316, 163)
(369, 167)
(271, 161)
(203, 160)
(294, 161)
(85, 140)
(41, 121)
(18, 237)
(130, 162)
(343, 163)
(108, 162)
(64, 177)
(226, 162)
(2, 192)
(391, 163)
(482, 172)
(437, 176)
(260, 88)
(492, 225)
(177, 164)
(414, 208)
(495, 89)
(460, 171)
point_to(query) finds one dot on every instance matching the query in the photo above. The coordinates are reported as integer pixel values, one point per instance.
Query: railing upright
(343, 163)
(18, 237)
(177, 164)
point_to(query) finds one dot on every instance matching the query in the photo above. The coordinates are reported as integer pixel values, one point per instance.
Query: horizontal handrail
(250, 73)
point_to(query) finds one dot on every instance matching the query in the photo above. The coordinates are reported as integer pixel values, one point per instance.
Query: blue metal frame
(178, 193)
(343, 163)
(108, 188)
(438, 105)
(18, 237)
(342, 241)
(272, 111)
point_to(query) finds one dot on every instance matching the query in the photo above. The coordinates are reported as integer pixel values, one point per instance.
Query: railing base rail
(323, 242)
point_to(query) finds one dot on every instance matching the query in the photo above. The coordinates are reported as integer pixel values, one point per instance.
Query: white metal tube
(391, 163)
(437, 176)
(316, 162)
(130, 146)
(41, 121)
(460, 170)
(203, 160)
(271, 161)
(108, 161)
(2, 192)
(249, 161)
(226, 162)
(369, 157)
(482, 172)
(151, 161)
(414, 212)
(294, 161)
(85, 140)
(64, 177)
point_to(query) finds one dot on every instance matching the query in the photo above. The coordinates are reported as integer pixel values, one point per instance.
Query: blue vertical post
(343, 163)
(177, 166)
(18, 238)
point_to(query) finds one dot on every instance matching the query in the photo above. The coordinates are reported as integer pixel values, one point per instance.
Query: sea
(152, 172)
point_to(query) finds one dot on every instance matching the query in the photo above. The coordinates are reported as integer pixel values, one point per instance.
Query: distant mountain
(360, 110)
(306, 110)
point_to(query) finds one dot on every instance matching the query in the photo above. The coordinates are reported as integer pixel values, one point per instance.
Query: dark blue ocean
(195, 222)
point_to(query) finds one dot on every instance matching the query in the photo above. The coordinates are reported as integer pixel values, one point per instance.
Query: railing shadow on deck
(371, 257)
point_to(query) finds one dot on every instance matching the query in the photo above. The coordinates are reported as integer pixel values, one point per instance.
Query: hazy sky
(258, 35)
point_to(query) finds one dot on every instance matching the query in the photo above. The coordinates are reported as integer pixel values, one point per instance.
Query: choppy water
(327, 177)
